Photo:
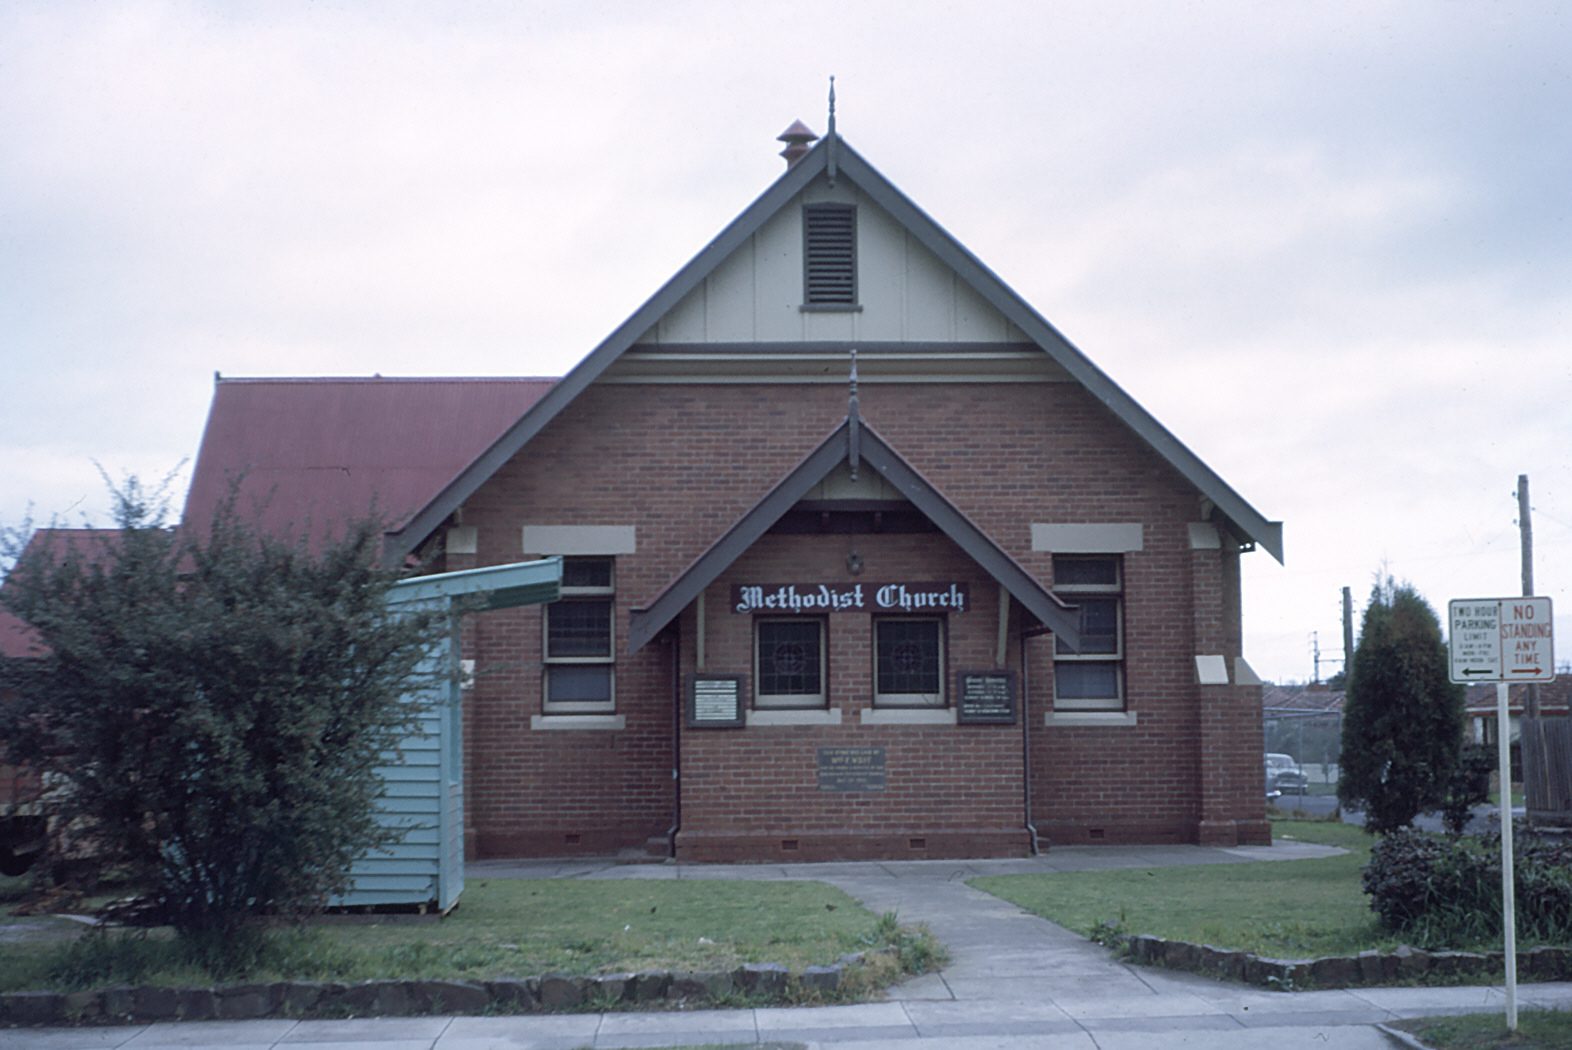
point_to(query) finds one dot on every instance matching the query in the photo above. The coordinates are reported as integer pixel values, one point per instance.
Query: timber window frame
(829, 257)
(1092, 679)
(578, 640)
(790, 662)
(909, 661)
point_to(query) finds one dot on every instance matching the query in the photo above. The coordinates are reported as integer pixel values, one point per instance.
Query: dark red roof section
(1555, 697)
(18, 640)
(315, 453)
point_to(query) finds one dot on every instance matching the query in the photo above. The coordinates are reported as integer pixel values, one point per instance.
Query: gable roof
(18, 638)
(834, 154)
(854, 441)
(315, 453)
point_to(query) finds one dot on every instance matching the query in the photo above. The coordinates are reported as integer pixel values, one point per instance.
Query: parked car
(1283, 776)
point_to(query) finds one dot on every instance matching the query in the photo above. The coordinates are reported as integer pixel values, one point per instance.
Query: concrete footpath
(1014, 981)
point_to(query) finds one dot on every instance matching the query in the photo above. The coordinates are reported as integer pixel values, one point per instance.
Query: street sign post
(1502, 640)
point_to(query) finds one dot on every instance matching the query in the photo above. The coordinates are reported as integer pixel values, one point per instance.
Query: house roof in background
(1301, 699)
(17, 639)
(315, 453)
(1555, 697)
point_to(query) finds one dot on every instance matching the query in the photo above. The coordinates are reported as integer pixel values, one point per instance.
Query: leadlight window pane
(1086, 681)
(1085, 572)
(1099, 626)
(790, 658)
(578, 629)
(579, 683)
(908, 656)
(592, 573)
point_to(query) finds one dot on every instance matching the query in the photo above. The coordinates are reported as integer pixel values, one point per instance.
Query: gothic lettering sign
(985, 698)
(851, 769)
(850, 597)
(715, 701)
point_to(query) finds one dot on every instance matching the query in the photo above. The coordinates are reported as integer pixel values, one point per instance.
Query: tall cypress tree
(1403, 720)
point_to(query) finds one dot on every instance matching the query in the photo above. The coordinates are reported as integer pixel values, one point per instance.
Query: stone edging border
(548, 993)
(1404, 965)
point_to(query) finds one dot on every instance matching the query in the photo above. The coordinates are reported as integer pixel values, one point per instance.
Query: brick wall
(682, 463)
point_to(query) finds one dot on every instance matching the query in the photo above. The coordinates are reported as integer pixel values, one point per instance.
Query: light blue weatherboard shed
(423, 780)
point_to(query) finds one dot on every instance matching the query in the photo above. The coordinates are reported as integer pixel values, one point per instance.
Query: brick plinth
(787, 846)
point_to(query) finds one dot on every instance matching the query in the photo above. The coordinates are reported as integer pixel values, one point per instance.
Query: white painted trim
(1088, 538)
(579, 539)
(815, 717)
(600, 722)
(1211, 670)
(1204, 536)
(907, 716)
(461, 539)
(1089, 718)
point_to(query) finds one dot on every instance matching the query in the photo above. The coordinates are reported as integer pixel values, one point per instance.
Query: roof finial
(853, 421)
(829, 136)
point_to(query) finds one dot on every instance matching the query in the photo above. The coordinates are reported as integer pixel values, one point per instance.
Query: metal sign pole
(1508, 897)
(1503, 640)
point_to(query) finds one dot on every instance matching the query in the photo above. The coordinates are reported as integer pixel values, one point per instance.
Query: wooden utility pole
(1348, 636)
(1525, 531)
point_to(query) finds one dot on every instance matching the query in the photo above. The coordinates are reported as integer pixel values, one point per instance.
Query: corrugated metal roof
(315, 453)
(17, 639)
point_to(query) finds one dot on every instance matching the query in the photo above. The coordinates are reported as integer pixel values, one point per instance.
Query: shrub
(1447, 892)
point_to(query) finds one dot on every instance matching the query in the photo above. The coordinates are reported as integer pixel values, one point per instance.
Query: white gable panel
(930, 297)
(730, 308)
(905, 294)
(777, 277)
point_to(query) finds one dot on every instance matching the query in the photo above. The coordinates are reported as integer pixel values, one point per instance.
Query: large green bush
(1444, 893)
(218, 704)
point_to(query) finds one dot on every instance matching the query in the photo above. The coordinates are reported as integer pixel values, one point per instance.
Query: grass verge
(1284, 909)
(510, 928)
(1536, 1030)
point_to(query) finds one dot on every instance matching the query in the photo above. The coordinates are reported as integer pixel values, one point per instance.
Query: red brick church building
(862, 558)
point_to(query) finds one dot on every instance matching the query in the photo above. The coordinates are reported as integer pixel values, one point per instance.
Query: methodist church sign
(849, 597)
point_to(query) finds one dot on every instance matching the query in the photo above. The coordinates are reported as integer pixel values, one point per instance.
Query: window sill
(908, 716)
(601, 722)
(789, 717)
(1089, 718)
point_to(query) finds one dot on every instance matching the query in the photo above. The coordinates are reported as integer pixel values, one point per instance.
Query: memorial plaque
(715, 701)
(985, 698)
(851, 769)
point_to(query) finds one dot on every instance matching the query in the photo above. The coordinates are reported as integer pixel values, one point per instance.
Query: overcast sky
(1328, 245)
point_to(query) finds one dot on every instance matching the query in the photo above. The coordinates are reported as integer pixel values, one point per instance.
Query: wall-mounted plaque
(851, 769)
(985, 698)
(715, 701)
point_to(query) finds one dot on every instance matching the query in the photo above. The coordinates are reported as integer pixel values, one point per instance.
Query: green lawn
(1536, 1030)
(515, 928)
(1284, 909)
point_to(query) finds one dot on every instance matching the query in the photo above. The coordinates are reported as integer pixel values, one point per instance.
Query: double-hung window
(788, 662)
(580, 667)
(908, 657)
(1092, 679)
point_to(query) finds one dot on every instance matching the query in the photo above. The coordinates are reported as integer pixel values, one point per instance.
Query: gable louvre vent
(829, 254)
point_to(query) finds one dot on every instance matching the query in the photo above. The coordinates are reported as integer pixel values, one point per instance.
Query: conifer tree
(1403, 720)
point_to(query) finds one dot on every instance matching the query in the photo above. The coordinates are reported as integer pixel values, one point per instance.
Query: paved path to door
(1014, 982)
